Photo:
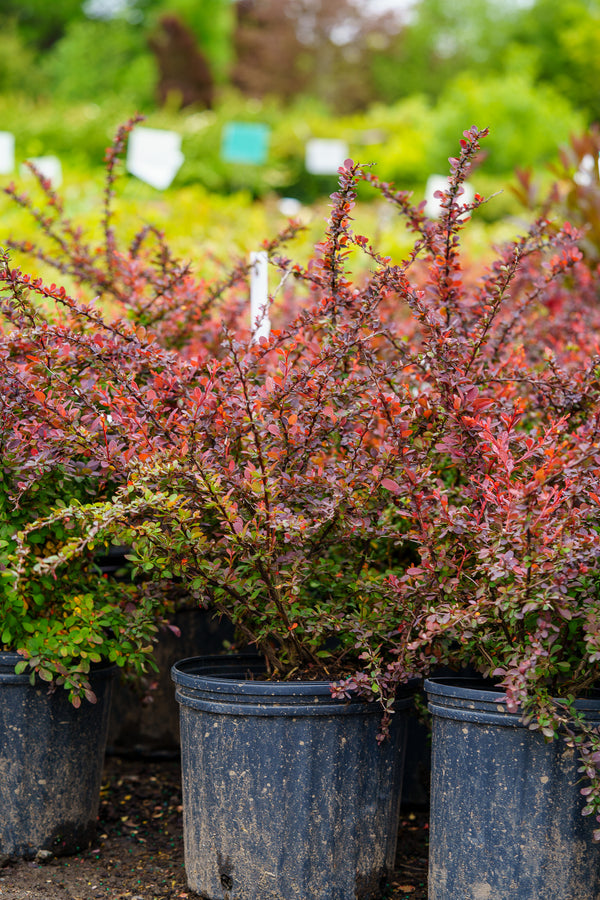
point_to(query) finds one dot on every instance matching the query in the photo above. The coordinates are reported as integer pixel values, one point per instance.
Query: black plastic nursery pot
(505, 817)
(151, 729)
(287, 795)
(51, 758)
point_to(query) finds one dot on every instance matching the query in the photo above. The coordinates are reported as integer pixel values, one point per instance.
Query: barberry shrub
(501, 500)
(64, 622)
(405, 473)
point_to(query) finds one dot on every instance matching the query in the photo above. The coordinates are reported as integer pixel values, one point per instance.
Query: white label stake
(259, 295)
(7, 152)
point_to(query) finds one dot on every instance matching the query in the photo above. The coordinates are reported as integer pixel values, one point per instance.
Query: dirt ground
(138, 852)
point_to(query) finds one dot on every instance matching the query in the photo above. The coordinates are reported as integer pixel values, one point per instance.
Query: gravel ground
(138, 852)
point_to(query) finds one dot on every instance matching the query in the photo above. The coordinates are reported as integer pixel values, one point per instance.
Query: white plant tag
(435, 183)
(154, 156)
(260, 324)
(48, 166)
(7, 152)
(324, 156)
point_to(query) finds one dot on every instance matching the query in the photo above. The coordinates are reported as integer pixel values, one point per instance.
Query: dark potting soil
(138, 852)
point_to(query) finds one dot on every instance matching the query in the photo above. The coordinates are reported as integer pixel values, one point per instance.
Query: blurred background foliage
(398, 81)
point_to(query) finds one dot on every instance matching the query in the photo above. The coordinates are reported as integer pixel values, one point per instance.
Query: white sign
(289, 206)
(7, 152)
(324, 156)
(259, 295)
(48, 166)
(584, 176)
(154, 156)
(435, 183)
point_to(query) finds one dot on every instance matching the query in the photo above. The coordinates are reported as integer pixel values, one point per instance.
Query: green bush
(408, 140)
(17, 61)
(527, 121)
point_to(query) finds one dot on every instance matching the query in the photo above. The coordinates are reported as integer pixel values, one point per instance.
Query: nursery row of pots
(288, 795)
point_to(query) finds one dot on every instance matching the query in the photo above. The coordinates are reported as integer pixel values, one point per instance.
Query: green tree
(566, 40)
(442, 40)
(18, 73)
(211, 21)
(98, 58)
(41, 22)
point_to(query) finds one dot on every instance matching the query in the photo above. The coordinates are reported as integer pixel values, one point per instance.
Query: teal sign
(245, 142)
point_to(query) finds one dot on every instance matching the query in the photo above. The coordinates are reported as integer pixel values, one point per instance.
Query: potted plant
(63, 639)
(235, 486)
(141, 285)
(63, 636)
(520, 551)
(325, 490)
(508, 544)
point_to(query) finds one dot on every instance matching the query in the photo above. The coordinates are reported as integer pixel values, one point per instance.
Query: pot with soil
(286, 791)
(505, 804)
(51, 757)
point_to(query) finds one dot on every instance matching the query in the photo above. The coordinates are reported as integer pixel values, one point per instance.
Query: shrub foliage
(404, 473)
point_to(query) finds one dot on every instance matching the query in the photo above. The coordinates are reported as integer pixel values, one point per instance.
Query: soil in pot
(51, 758)
(505, 804)
(287, 793)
